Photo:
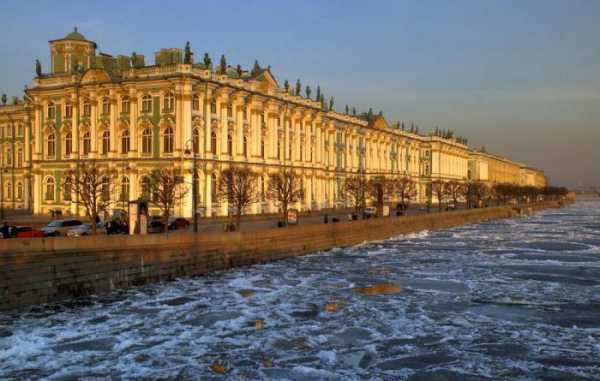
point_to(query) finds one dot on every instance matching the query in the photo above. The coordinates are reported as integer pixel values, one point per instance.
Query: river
(515, 299)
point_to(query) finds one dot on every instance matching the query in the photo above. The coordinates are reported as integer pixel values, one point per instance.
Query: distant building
(132, 118)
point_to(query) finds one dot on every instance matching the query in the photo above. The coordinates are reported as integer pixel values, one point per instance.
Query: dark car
(156, 226)
(179, 223)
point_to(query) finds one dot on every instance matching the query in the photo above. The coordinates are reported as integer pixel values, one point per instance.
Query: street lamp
(192, 151)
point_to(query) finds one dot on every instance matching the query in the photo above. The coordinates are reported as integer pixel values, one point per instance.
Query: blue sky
(520, 77)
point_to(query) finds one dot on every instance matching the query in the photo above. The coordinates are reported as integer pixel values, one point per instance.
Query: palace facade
(133, 118)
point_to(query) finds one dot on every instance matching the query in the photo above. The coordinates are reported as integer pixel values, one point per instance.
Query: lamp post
(192, 152)
(124, 196)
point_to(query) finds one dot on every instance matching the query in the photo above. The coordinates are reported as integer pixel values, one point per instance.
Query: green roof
(75, 35)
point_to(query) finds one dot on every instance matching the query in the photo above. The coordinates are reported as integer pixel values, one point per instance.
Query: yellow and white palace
(133, 118)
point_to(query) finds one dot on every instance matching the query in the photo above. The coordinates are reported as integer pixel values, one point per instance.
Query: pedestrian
(4, 230)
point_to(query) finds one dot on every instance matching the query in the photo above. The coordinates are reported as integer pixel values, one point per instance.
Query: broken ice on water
(506, 299)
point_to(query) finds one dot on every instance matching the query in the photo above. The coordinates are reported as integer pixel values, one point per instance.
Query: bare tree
(354, 190)
(379, 190)
(285, 188)
(92, 187)
(238, 186)
(476, 191)
(406, 189)
(455, 190)
(167, 188)
(437, 190)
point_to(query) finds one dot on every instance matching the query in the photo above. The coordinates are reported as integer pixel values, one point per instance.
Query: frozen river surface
(504, 300)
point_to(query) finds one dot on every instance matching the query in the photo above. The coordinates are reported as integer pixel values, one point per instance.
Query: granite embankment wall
(35, 271)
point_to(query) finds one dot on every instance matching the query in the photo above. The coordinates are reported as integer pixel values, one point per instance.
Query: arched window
(169, 102)
(105, 106)
(196, 140)
(50, 186)
(125, 141)
(19, 191)
(105, 142)
(146, 103)
(213, 142)
(67, 189)
(87, 109)
(51, 145)
(196, 102)
(8, 190)
(245, 146)
(168, 140)
(145, 188)
(125, 104)
(68, 110)
(19, 157)
(87, 143)
(51, 111)
(229, 144)
(146, 141)
(105, 188)
(68, 144)
(125, 188)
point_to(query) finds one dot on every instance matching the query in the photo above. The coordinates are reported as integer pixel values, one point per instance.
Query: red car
(28, 232)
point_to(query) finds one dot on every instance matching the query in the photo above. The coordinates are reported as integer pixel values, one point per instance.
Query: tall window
(146, 141)
(213, 107)
(87, 143)
(49, 194)
(145, 188)
(87, 109)
(213, 142)
(105, 188)
(125, 188)
(125, 106)
(8, 190)
(196, 103)
(19, 191)
(20, 130)
(146, 103)
(68, 144)
(229, 111)
(262, 147)
(68, 189)
(168, 140)
(68, 110)
(19, 157)
(105, 142)
(105, 106)
(196, 140)
(9, 157)
(51, 145)
(125, 141)
(169, 102)
(245, 146)
(51, 111)
(278, 148)
(229, 144)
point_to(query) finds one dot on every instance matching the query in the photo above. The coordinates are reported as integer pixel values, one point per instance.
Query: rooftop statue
(38, 68)
(207, 61)
(188, 54)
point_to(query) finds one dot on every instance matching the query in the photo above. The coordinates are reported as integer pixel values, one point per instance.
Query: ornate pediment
(94, 76)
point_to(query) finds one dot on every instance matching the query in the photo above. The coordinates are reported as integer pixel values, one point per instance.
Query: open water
(511, 299)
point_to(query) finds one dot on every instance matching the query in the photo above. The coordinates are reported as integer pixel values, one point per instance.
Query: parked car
(177, 223)
(156, 226)
(60, 227)
(370, 211)
(28, 232)
(86, 229)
